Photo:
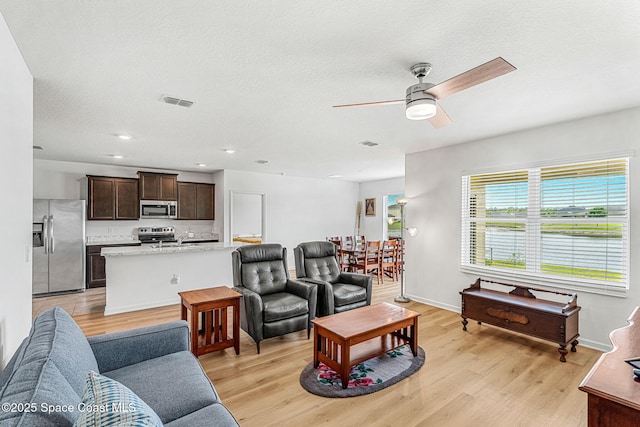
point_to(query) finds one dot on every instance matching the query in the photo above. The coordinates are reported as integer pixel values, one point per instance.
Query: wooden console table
(212, 303)
(519, 310)
(613, 393)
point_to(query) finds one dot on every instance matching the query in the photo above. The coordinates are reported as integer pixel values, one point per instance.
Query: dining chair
(342, 256)
(367, 259)
(399, 255)
(388, 259)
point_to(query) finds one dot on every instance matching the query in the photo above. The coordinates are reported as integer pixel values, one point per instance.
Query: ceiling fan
(421, 100)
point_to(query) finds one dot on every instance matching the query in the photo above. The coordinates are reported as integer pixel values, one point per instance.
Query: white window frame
(532, 274)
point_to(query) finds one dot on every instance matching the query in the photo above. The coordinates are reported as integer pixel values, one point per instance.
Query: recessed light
(125, 137)
(201, 165)
(335, 176)
(369, 143)
(116, 156)
(229, 150)
(262, 162)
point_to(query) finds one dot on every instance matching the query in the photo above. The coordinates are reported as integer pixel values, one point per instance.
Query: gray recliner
(317, 262)
(272, 304)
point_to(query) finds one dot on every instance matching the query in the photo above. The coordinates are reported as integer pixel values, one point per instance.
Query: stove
(156, 234)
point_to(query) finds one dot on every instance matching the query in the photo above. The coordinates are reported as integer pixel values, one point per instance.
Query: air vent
(37, 147)
(176, 101)
(262, 162)
(369, 143)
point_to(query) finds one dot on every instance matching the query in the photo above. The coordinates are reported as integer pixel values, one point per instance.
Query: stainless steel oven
(158, 209)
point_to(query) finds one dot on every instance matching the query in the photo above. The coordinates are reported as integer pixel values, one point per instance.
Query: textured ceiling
(264, 74)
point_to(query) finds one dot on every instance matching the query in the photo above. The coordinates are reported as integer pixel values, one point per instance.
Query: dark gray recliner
(271, 303)
(317, 262)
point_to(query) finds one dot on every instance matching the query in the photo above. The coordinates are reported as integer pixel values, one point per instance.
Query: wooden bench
(520, 311)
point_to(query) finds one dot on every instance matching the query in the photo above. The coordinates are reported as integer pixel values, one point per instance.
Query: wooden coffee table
(212, 303)
(343, 340)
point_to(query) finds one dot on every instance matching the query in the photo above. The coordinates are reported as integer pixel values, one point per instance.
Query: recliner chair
(272, 304)
(316, 262)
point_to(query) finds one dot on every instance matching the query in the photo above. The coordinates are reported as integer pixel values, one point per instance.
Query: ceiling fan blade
(441, 118)
(367, 104)
(475, 76)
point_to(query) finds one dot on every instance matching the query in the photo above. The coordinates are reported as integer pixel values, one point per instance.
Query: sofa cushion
(283, 305)
(173, 385)
(48, 369)
(107, 402)
(345, 294)
(213, 415)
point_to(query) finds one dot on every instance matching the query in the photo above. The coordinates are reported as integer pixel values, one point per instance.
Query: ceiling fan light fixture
(421, 109)
(420, 105)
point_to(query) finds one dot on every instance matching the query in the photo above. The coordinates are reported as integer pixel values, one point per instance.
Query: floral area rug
(367, 377)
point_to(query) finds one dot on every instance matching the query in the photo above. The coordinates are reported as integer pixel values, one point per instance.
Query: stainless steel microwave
(158, 209)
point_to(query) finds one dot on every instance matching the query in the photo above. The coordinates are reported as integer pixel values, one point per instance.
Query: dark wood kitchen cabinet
(112, 198)
(158, 186)
(196, 200)
(96, 273)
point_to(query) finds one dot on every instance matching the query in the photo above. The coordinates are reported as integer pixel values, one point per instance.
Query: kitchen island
(148, 276)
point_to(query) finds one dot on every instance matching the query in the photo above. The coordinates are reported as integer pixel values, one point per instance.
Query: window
(394, 221)
(560, 225)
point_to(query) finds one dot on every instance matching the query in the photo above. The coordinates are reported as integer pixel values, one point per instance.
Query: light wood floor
(483, 377)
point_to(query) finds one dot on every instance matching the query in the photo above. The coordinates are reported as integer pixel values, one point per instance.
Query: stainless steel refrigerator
(58, 245)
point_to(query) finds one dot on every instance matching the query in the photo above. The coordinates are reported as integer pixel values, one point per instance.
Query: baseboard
(126, 308)
(438, 304)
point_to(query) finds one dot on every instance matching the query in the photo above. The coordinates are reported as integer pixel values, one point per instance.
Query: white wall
(68, 180)
(374, 227)
(433, 185)
(16, 136)
(298, 209)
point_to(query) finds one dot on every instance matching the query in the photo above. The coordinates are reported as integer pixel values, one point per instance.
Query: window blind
(564, 223)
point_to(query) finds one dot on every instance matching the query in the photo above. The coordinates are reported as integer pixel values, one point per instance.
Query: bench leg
(464, 323)
(563, 352)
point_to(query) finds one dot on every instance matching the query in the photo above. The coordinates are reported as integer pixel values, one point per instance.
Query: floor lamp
(402, 202)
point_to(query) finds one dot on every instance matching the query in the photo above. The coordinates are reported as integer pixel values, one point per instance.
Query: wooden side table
(213, 304)
(612, 389)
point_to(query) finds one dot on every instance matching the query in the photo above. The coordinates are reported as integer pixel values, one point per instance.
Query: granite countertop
(112, 240)
(133, 240)
(169, 248)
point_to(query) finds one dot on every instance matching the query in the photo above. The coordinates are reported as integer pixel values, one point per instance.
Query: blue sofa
(51, 366)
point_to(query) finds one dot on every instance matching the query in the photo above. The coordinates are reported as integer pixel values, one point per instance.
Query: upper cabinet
(112, 198)
(158, 186)
(196, 200)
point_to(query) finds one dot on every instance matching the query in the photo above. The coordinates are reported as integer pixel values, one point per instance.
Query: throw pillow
(106, 402)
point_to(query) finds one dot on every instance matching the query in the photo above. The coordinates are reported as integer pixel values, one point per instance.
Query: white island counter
(147, 276)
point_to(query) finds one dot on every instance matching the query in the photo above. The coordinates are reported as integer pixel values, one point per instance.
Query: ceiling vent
(176, 101)
(369, 143)
(37, 147)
